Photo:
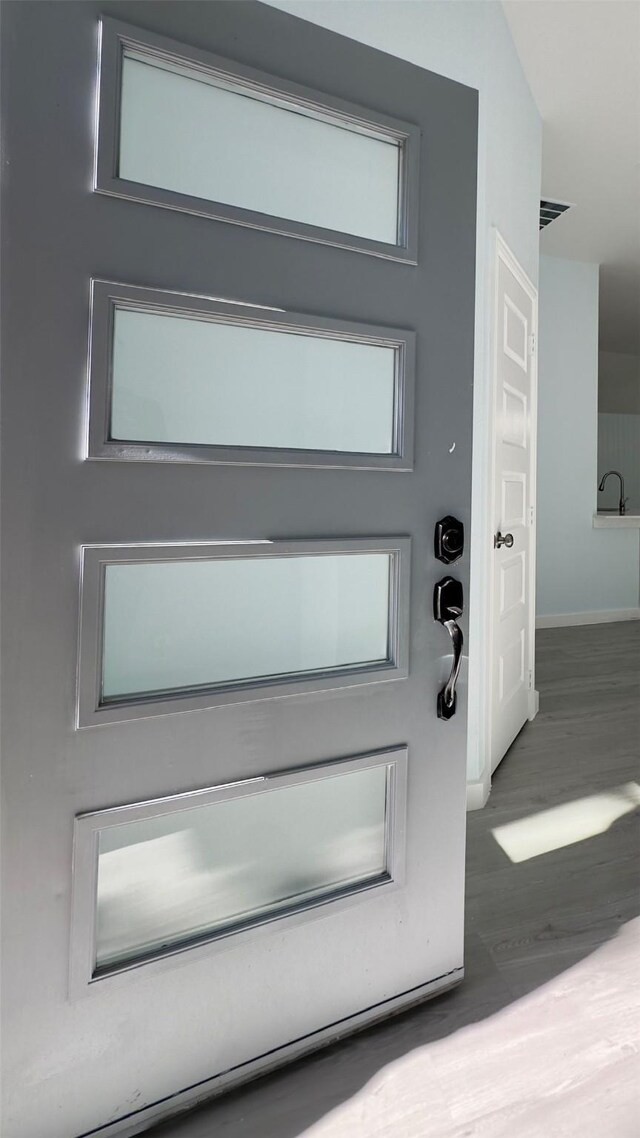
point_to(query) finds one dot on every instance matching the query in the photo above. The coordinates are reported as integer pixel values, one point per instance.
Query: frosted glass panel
(177, 625)
(181, 380)
(179, 132)
(167, 879)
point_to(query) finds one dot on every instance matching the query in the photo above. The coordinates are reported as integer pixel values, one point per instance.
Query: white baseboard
(562, 620)
(477, 795)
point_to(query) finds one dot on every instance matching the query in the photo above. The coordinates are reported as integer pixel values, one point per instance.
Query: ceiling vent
(550, 210)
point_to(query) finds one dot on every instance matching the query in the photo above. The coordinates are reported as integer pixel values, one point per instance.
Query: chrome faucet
(622, 505)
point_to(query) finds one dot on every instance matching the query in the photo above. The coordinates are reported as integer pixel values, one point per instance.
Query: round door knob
(500, 540)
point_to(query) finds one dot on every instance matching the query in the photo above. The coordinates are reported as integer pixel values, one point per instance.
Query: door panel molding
(512, 580)
(117, 37)
(93, 710)
(108, 296)
(519, 435)
(519, 357)
(513, 516)
(84, 975)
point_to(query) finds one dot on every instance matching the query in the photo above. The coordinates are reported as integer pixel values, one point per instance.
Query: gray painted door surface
(137, 717)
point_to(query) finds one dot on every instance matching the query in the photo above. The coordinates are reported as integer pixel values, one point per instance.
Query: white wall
(580, 570)
(469, 42)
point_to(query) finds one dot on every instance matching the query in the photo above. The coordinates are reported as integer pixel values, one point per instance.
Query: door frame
(502, 252)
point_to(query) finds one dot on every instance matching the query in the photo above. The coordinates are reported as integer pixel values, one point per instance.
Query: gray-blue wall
(580, 569)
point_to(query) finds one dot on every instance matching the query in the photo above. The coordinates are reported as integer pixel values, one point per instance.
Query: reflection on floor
(542, 1039)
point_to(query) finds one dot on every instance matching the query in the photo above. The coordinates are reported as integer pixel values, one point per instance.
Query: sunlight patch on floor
(564, 825)
(563, 1060)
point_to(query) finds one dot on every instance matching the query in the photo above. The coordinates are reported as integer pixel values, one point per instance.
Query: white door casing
(513, 699)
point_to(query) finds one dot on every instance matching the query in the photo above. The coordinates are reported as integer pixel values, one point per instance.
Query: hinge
(530, 515)
(530, 680)
(532, 343)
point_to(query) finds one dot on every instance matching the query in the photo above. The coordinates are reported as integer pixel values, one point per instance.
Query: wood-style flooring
(542, 1040)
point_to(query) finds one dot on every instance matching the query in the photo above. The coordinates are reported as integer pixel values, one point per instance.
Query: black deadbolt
(449, 540)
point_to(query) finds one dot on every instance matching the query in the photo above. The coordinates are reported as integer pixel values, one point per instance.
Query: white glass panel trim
(173, 626)
(203, 871)
(361, 629)
(186, 129)
(173, 375)
(172, 878)
(180, 130)
(194, 381)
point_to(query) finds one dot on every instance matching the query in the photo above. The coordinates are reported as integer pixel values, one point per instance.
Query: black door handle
(447, 607)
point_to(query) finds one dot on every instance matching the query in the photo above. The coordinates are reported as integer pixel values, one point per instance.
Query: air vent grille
(550, 210)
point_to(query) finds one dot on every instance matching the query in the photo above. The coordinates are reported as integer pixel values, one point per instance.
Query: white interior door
(239, 346)
(513, 696)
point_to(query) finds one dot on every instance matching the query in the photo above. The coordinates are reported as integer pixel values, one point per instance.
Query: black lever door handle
(447, 696)
(447, 607)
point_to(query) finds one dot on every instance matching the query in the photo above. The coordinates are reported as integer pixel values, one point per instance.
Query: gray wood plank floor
(542, 1038)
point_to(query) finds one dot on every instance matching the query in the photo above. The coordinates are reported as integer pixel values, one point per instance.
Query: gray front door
(238, 257)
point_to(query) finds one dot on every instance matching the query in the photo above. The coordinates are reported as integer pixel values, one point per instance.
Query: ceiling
(582, 62)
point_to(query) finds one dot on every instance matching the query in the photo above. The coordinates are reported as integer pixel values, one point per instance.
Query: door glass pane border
(106, 296)
(91, 711)
(87, 827)
(116, 36)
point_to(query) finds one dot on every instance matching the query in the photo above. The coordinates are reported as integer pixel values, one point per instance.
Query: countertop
(611, 519)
